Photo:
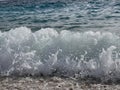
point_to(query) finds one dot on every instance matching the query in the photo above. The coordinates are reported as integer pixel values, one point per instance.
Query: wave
(65, 53)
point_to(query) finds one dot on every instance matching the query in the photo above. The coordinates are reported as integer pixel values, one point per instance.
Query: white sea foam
(48, 52)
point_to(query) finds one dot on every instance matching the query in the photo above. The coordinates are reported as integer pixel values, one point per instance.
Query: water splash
(49, 52)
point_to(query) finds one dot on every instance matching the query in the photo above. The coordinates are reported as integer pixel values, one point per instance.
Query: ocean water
(58, 37)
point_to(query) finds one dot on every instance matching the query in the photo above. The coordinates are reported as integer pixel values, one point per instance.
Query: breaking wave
(65, 53)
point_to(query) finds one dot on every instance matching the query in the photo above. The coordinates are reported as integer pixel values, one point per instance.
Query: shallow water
(60, 38)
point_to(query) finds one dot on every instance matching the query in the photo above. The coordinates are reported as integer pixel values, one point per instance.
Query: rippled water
(102, 15)
(62, 38)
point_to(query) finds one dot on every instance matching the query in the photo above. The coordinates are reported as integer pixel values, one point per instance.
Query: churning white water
(49, 52)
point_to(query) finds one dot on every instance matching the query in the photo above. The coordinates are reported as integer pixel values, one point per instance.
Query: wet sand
(52, 83)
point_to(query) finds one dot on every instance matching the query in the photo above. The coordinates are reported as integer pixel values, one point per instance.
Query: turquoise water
(102, 15)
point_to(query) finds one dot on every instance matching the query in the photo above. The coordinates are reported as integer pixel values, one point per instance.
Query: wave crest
(49, 52)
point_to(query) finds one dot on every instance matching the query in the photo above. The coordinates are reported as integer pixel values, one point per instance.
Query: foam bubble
(48, 52)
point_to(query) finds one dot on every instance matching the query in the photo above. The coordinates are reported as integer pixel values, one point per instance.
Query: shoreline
(51, 83)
